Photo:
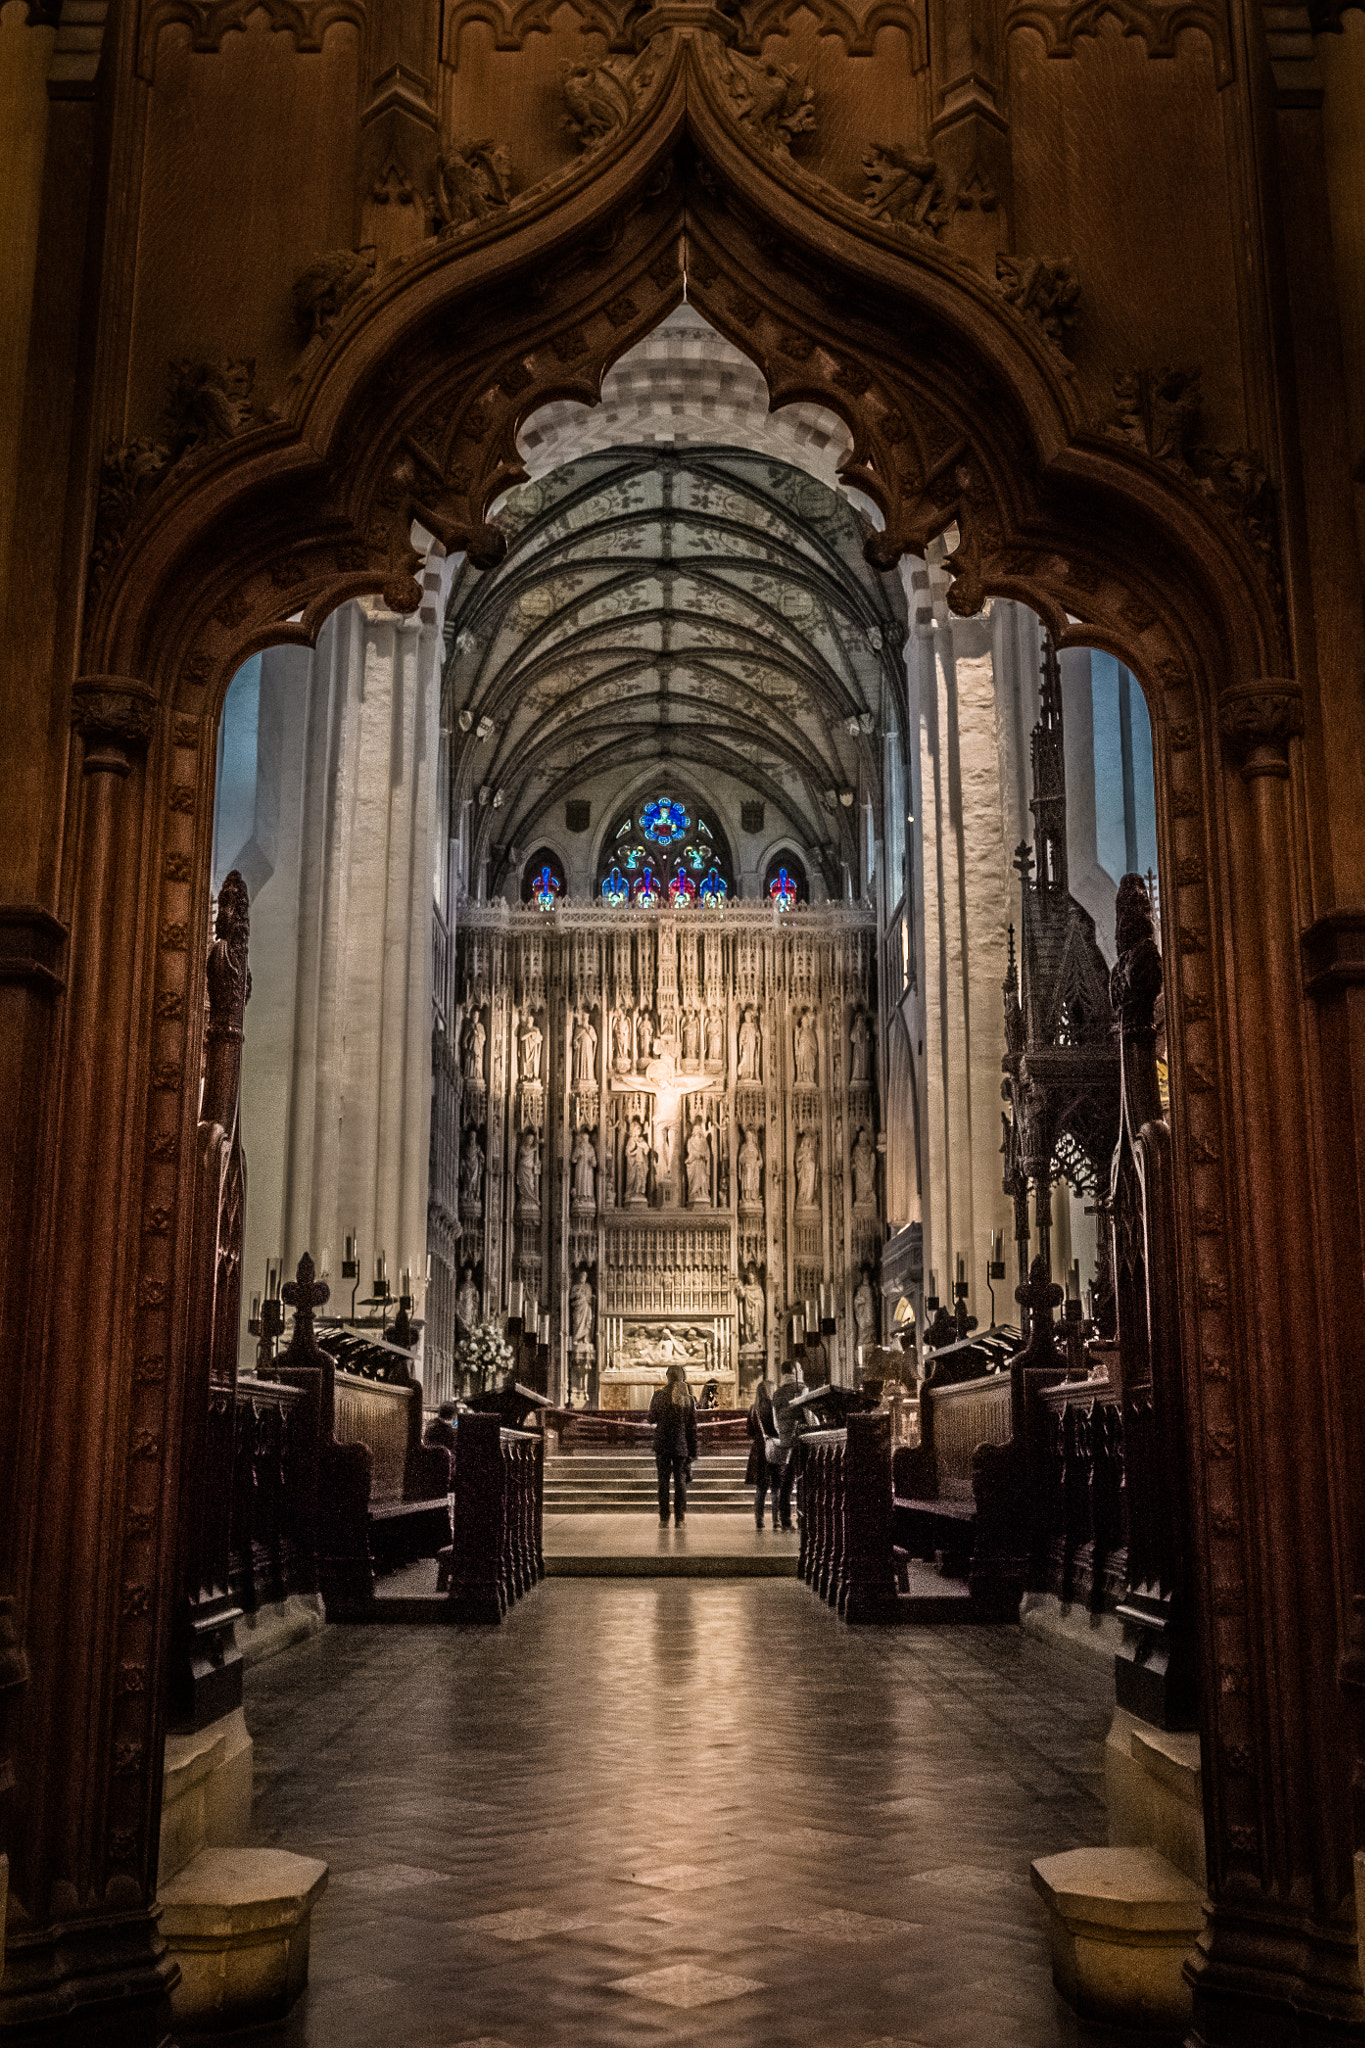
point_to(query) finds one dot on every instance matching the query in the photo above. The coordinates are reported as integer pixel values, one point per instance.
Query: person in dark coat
(442, 1426)
(673, 1413)
(787, 1424)
(759, 1473)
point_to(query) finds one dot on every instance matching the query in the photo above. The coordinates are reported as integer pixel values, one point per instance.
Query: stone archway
(961, 417)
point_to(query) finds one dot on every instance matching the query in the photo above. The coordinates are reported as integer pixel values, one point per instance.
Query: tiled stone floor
(678, 1811)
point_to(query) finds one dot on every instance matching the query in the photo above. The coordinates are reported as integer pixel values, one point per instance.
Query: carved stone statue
(807, 1171)
(581, 1311)
(750, 1168)
(584, 1050)
(865, 1311)
(691, 1036)
(864, 1173)
(807, 1052)
(471, 1167)
(475, 1038)
(750, 1049)
(620, 1031)
(637, 1162)
(860, 1065)
(584, 1162)
(467, 1300)
(752, 1308)
(715, 1039)
(698, 1166)
(528, 1169)
(531, 1040)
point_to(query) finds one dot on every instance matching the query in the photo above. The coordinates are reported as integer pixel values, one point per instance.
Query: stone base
(238, 1922)
(1070, 1626)
(1121, 1923)
(206, 1791)
(1154, 1794)
(279, 1626)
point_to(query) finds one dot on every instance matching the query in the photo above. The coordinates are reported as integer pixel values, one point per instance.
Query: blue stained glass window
(783, 890)
(615, 890)
(545, 889)
(664, 820)
(662, 849)
(714, 890)
(542, 882)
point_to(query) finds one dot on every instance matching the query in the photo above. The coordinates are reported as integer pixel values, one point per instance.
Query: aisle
(660, 1812)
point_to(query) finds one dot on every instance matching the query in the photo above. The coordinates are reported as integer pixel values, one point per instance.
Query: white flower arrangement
(486, 1354)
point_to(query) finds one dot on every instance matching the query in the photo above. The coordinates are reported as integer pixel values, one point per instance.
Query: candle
(1073, 1281)
(255, 1308)
(350, 1248)
(381, 1271)
(428, 1267)
(811, 1318)
(545, 1332)
(961, 1267)
(858, 1357)
(326, 1260)
(514, 1300)
(933, 1284)
(272, 1278)
(798, 1328)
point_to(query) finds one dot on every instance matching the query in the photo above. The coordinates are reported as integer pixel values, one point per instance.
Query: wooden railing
(273, 1550)
(845, 1478)
(497, 1552)
(1080, 1498)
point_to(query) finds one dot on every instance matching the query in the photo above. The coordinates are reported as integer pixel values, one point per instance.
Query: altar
(639, 1351)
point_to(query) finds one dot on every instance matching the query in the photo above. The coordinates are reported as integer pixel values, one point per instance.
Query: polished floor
(662, 1811)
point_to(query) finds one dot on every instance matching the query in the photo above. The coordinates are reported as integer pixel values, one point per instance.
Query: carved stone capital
(113, 715)
(1334, 953)
(1257, 721)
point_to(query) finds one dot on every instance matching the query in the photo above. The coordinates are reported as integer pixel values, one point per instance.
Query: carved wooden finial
(304, 1294)
(1038, 1297)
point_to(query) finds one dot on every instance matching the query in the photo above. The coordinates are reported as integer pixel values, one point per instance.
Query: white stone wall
(336, 1069)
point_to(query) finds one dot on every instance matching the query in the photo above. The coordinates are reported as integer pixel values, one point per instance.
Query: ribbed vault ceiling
(702, 606)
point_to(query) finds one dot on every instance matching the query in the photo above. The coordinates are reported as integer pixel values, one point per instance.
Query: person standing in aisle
(764, 1469)
(673, 1413)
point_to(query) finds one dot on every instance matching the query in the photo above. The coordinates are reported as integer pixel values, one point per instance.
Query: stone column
(84, 1956)
(1280, 1938)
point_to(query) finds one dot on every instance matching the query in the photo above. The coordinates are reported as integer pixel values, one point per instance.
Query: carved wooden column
(1334, 972)
(85, 1959)
(1280, 1939)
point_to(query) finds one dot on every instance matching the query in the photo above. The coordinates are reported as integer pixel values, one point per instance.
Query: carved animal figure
(472, 180)
(776, 101)
(598, 102)
(326, 288)
(903, 186)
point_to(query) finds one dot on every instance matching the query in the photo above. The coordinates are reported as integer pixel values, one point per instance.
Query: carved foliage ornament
(206, 403)
(1257, 723)
(1047, 288)
(1158, 411)
(114, 716)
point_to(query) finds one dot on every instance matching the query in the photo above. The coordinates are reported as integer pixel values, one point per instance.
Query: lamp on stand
(350, 1266)
(995, 1267)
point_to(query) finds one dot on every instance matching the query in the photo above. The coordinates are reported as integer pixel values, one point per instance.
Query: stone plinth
(205, 1791)
(1121, 1923)
(238, 1923)
(1153, 1791)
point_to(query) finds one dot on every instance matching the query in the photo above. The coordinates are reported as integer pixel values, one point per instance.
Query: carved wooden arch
(961, 414)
